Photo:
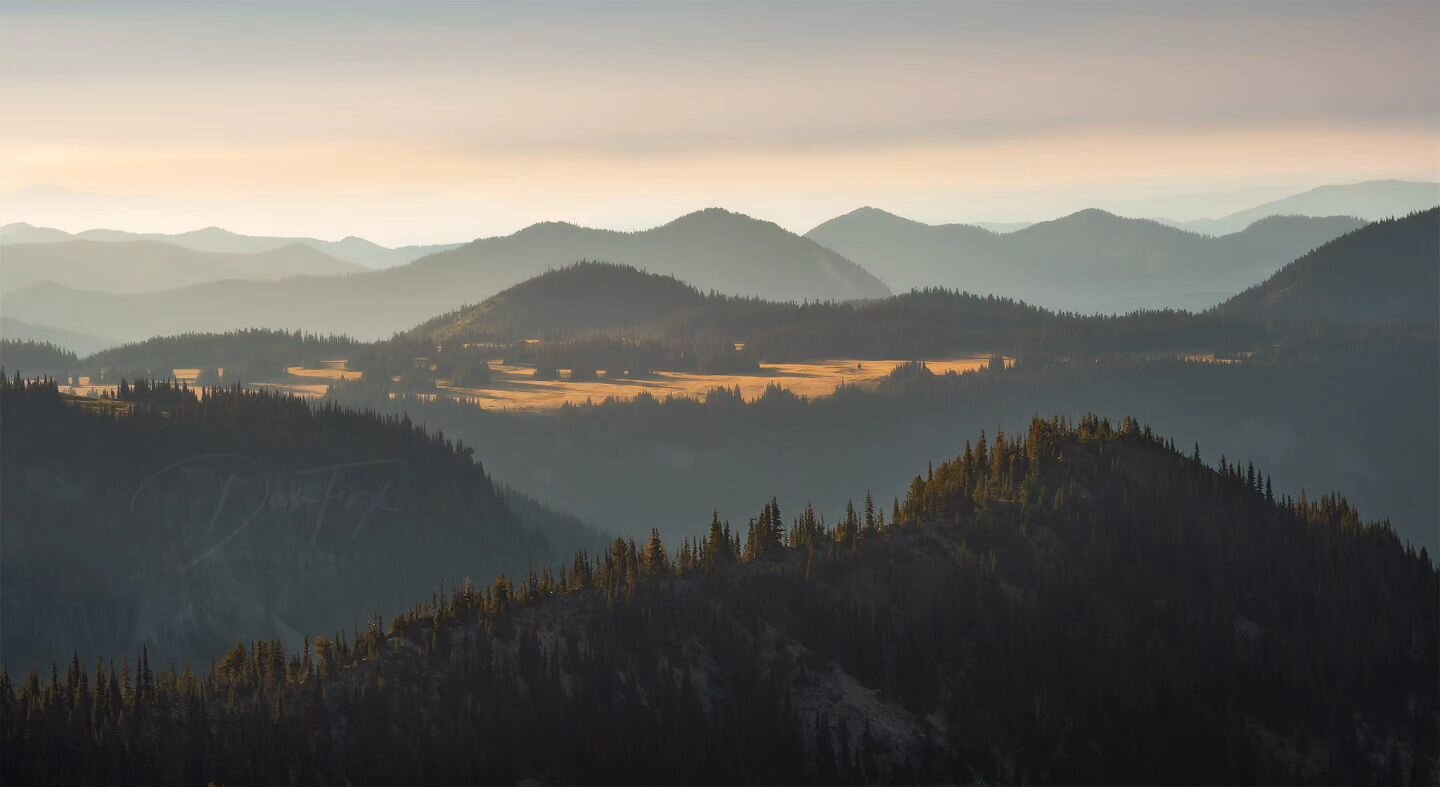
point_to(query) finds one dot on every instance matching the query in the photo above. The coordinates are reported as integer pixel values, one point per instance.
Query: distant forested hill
(189, 523)
(586, 297)
(1091, 261)
(1388, 271)
(1063, 604)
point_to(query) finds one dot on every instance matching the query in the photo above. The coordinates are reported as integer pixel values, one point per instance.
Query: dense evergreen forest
(185, 520)
(1066, 604)
(245, 356)
(37, 357)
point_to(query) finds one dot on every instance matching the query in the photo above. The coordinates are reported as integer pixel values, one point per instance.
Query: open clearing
(324, 374)
(515, 387)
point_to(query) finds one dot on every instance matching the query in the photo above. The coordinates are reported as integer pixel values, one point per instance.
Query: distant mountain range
(214, 239)
(1370, 200)
(1091, 261)
(711, 249)
(147, 265)
(1386, 271)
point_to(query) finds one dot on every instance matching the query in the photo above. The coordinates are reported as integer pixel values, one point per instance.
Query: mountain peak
(1091, 214)
(866, 218)
(871, 212)
(716, 216)
(544, 227)
(1099, 219)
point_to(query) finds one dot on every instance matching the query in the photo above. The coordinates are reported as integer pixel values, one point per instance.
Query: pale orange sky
(416, 123)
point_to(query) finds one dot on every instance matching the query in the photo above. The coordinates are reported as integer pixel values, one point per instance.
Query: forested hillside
(236, 356)
(1067, 604)
(1325, 409)
(1385, 272)
(35, 357)
(585, 297)
(186, 521)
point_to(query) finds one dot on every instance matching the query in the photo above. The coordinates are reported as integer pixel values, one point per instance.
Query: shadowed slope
(1386, 271)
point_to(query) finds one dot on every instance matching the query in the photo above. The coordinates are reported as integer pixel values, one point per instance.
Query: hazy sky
(410, 122)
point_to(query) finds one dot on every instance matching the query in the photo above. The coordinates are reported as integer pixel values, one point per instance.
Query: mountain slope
(1370, 200)
(1091, 261)
(1386, 271)
(145, 266)
(186, 523)
(1078, 605)
(711, 249)
(20, 232)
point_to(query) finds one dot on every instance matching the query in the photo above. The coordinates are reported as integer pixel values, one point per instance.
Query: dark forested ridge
(1069, 604)
(1388, 271)
(36, 357)
(183, 521)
